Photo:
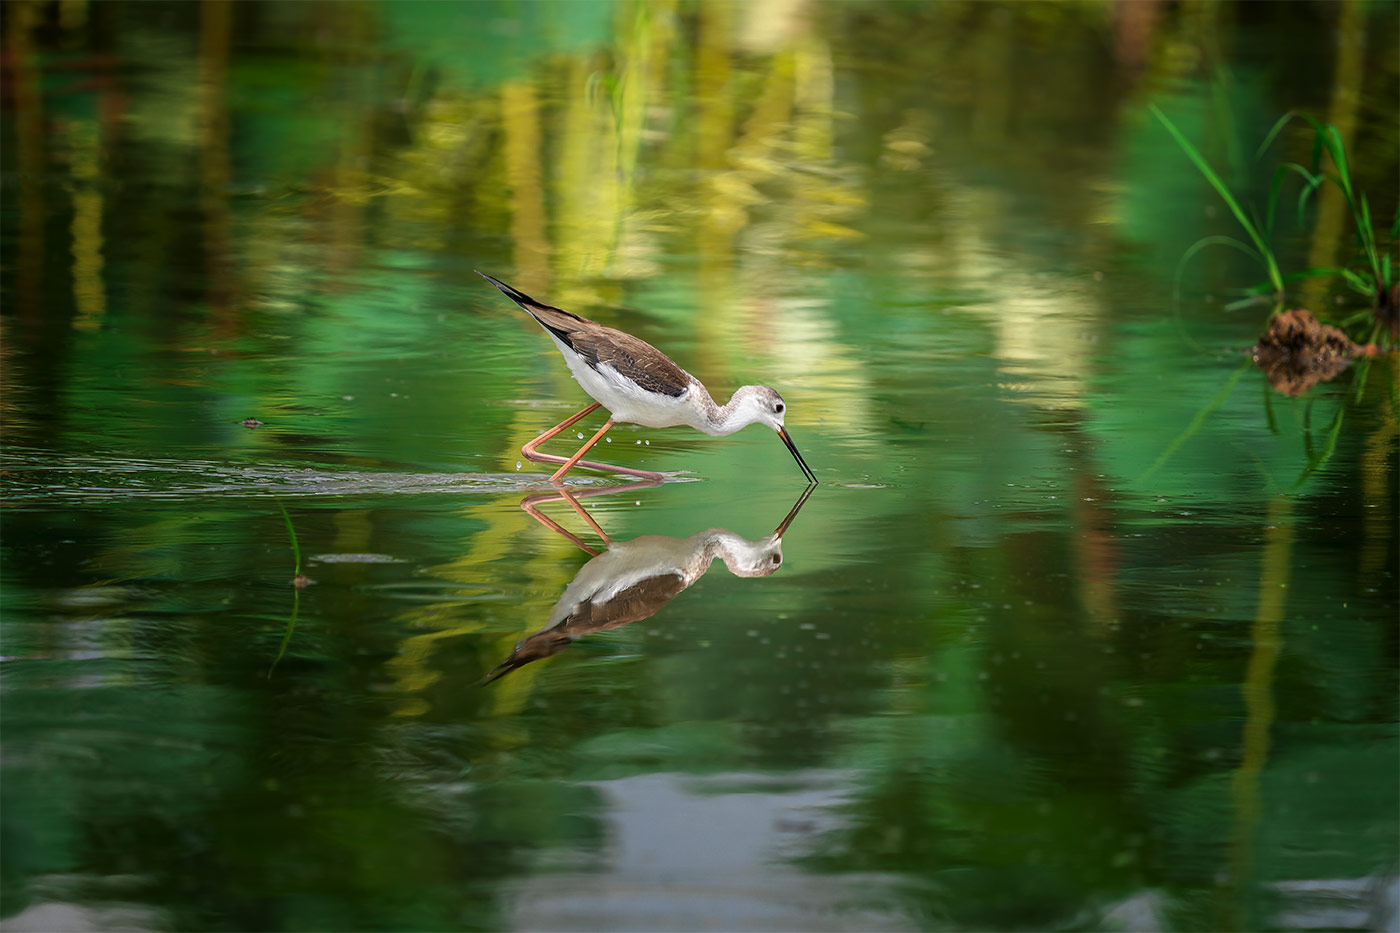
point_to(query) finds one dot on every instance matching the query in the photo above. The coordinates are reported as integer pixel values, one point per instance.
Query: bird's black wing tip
(513, 294)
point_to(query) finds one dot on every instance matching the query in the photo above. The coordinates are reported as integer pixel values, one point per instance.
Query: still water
(1084, 627)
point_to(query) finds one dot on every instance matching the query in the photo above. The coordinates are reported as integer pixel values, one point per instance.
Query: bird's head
(763, 405)
(759, 405)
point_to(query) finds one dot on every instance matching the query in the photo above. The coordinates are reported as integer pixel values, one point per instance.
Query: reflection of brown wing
(641, 600)
(531, 648)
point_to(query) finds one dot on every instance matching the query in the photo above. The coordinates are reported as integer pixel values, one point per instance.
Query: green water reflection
(1083, 628)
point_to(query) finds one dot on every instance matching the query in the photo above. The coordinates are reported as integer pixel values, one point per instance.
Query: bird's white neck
(720, 420)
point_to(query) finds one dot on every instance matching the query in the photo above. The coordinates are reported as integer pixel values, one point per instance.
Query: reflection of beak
(783, 526)
(811, 477)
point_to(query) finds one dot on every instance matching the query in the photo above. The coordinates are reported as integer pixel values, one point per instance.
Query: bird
(638, 384)
(633, 580)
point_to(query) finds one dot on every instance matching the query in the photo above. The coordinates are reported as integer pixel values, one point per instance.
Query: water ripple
(29, 479)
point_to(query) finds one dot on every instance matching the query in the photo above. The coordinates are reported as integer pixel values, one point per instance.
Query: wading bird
(639, 384)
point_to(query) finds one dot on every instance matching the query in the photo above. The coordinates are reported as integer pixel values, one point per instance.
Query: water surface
(1085, 627)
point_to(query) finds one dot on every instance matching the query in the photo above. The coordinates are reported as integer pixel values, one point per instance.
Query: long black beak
(811, 477)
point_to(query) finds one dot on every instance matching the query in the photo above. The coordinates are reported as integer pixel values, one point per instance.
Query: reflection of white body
(632, 580)
(632, 570)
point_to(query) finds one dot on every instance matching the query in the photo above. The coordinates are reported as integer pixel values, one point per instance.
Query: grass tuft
(1261, 245)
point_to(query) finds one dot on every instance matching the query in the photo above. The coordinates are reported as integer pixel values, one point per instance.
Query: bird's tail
(524, 300)
(518, 297)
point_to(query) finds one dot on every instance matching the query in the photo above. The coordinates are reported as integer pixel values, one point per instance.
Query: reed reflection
(633, 580)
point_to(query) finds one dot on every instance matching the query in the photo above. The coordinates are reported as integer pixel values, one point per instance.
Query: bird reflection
(632, 580)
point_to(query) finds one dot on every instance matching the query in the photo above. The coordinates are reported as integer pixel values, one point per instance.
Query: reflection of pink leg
(583, 513)
(530, 452)
(530, 505)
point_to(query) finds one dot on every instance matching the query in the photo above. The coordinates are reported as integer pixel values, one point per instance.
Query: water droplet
(517, 466)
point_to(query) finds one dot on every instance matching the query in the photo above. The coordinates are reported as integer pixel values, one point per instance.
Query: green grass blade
(1330, 139)
(1273, 133)
(296, 590)
(1252, 300)
(1196, 422)
(287, 635)
(1269, 406)
(1311, 182)
(1319, 458)
(1201, 244)
(1361, 373)
(1303, 196)
(1274, 186)
(1223, 190)
(1338, 152)
(1318, 133)
(1229, 241)
(1360, 284)
(1368, 238)
(292, 534)
(1319, 272)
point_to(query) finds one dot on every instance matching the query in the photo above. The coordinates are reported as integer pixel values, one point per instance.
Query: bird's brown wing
(631, 356)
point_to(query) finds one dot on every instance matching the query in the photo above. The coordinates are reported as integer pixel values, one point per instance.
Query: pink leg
(530, 452)
(569, 464)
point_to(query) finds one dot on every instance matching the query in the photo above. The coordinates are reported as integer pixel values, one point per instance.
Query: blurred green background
(1085, 628)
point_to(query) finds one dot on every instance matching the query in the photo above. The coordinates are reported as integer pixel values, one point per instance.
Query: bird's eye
(776, 560)
(778, 408)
